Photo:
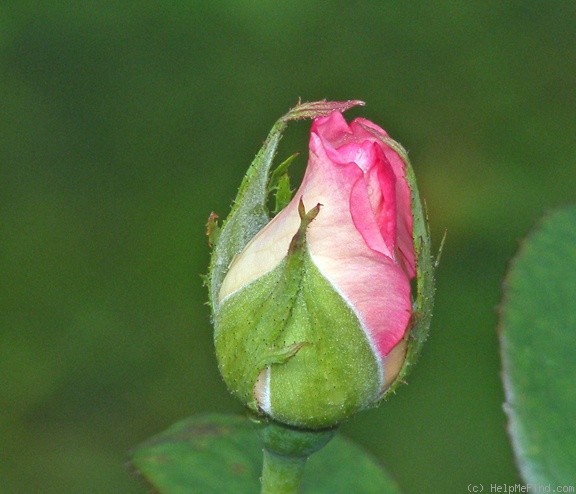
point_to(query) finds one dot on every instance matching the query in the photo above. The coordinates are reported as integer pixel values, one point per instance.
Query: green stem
(286, 450)
(282, 474)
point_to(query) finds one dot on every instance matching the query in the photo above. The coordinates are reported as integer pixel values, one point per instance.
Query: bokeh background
(124, 124)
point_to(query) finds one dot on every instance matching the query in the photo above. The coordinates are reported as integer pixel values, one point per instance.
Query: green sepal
(325, 369)
(262, 324)
(425, 265)
(279, 172)
(283, 194)
(279, 185)
(249, 211)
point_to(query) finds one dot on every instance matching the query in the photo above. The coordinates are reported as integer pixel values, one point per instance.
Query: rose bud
(314, 314)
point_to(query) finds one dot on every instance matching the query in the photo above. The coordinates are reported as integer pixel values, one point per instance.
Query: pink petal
(403, 205)
(376, 288)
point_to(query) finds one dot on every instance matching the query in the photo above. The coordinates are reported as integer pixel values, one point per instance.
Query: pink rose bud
(314, 314)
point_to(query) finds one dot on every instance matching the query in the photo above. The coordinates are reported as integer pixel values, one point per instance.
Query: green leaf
(220, 454)
(538, 342)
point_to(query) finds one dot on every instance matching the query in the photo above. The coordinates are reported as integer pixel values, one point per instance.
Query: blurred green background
(124, 124)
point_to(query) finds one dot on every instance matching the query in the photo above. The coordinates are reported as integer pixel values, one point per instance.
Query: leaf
(538, 344)
(220, 454)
